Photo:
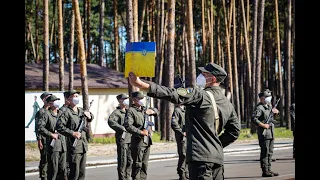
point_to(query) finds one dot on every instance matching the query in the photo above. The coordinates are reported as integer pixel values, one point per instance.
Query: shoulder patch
(184, 91)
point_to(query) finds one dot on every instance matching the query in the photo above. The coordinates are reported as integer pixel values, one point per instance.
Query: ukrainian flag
(140, 59)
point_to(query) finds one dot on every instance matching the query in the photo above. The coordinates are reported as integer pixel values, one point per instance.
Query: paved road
(238, 166)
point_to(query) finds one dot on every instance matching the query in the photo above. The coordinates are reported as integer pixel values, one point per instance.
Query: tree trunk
(248, 94)
(89, 48)
(227, 38)
(130, 37)
(279, 62)
(142, 19)
(288, 68)
(204, 36)
(116, 35)
(61, 50)
(101, 34)
(71, 73)
(254, 50)
(135, 21)
(235, 63)
(46, 45)
(170, 63)
(192, 58)
(37, 32)
(259, 48)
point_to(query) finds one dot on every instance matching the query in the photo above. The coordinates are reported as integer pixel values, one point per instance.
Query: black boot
(266, 174)
(273, 173)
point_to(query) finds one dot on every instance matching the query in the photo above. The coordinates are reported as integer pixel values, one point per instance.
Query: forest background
(254, 40)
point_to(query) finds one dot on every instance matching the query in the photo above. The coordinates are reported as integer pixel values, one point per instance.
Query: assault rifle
(183, 83)
(270, 115)
(146, 121)
(83, 121)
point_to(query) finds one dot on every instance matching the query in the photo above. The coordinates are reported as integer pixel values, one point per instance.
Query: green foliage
(104, 140)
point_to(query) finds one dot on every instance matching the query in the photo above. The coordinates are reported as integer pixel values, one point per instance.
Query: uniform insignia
(184, 91)
(111, 116)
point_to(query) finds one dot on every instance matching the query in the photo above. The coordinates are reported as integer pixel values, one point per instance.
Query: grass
(280, 132)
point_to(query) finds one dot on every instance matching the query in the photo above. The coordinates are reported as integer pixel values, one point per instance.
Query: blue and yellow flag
(140, 59)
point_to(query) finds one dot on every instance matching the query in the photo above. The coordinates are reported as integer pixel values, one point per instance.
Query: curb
(156, 157)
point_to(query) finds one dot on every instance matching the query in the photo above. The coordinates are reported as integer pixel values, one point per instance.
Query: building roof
(97, 77)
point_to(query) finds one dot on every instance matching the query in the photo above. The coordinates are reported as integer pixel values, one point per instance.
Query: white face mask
(201, 81)
(268, 99)
(75, 100)
(140, 102)
(126, 102)
(56, 104)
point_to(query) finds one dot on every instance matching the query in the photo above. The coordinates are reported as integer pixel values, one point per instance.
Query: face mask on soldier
(268, 99)
(56, 104)
(126, 102)
(140, 102)
(201, 81)
(75, 100)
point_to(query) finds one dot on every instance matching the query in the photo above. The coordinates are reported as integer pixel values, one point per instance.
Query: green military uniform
(140, 151)
(56, 154)
(43, 164)
(205, 156)
(266, 140)
(178, 126)
(68, 123)
(293, 123)
(123, 141)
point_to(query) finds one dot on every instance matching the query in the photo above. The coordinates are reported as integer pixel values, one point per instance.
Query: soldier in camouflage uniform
(123, 139)
(68, 125)
(178, 126)
(43, 164)
(134, 124)
(205, 143)
(56, 149)
(266, 141)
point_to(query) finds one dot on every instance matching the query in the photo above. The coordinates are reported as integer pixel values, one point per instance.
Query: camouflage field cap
(137, 94)
(72, 92)
(52, 98)
(265, 93)
(122, 96)
(45, 95)
(216, 70)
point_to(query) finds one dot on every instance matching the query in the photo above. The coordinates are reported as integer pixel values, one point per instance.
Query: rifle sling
(216, 115)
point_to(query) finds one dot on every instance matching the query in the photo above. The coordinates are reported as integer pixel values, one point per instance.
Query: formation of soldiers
(56, 131)
(204, 121)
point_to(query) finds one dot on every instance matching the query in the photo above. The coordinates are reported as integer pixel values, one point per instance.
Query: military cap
(45, 95)
(72, 92)
(215, 70)
(122, 96)
(137, 94)
(265, 93)
(52, 98)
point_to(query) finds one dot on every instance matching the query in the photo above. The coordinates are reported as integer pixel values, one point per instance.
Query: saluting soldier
(205, 156)
(56, 150)
(123, 139)
(134, 124)
(68, 125)
(42, 145)
(266, 140)
(178, 126)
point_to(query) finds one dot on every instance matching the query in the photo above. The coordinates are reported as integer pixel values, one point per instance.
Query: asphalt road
(238, 166)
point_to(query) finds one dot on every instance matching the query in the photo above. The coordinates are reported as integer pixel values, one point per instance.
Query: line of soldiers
(56, 130)
(128, 121)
